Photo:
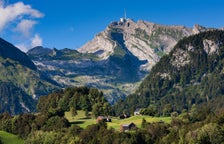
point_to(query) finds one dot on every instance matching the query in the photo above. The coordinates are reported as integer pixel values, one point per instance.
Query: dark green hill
(20, 82)
(9, 51)
(191, 74)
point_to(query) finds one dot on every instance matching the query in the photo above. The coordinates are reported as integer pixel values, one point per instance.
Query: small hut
(103, 119)
(137, 111)
(127, 127)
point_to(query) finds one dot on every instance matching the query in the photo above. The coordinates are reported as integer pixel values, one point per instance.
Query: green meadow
(8, 138)
(81, 120)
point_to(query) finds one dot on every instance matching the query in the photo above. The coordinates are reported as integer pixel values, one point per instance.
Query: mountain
(8, 51)
(192, 74)
(116, 60)
(145, 40)
(20, 81)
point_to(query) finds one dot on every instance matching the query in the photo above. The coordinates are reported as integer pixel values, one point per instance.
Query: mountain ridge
(146, 32)
(190, 75)
(117, 59)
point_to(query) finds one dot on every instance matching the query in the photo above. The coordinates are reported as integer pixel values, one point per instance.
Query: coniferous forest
(172, 87)
(199, 125)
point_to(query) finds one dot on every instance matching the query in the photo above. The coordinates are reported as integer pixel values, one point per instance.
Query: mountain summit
(145, 40)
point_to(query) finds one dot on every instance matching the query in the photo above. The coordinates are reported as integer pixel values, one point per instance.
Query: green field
(81, 120)
(8, 138)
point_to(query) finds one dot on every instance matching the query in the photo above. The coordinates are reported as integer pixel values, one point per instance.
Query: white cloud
(36, 41)
(23, 47)
(18, 20)
(1, 3)
(33, 42)
(16, 12)
(25, 26)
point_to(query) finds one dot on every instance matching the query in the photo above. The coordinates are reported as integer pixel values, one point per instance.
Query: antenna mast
(125, 14)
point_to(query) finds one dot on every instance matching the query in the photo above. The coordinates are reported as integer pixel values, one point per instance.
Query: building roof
(130, 126)
(138, 110)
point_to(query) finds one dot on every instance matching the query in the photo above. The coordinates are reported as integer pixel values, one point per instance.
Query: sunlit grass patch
(81, 120)
(8, 138)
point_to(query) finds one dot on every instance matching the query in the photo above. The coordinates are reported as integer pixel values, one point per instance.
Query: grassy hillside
(8, 138)
(137, 120)
(81, 120)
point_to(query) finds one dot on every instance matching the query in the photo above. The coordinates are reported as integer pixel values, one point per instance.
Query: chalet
(124, 116)
(103, 119)
(137, 111)
(127, 127)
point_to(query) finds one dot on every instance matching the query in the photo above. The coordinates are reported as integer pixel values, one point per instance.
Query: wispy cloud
(25, 26)
(36, 41)
(30, 43)
(22, 46)
(17, 12)
(20, 18)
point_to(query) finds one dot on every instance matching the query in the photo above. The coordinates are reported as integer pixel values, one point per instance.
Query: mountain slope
(116, 60)
(191, 74)
(20, 82)
(7, 50)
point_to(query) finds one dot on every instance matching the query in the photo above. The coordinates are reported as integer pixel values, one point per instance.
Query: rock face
(145, 40)
(116, 60)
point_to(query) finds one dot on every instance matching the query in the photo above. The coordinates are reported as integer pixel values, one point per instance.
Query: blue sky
(71, 23)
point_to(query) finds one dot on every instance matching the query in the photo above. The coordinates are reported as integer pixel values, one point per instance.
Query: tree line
(200, 125)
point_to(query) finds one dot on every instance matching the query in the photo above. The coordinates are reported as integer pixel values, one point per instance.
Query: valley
(111, 72)
(173, 74)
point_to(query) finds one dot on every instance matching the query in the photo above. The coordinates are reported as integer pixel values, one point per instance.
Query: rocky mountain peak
(145, 40)
(198, 28)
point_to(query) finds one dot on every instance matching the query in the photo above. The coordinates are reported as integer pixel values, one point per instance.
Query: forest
(48, 125)
(173, 88)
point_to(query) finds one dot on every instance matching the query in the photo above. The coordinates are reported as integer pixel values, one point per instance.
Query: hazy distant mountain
(20, 82)
(191, 74)
(116, 60)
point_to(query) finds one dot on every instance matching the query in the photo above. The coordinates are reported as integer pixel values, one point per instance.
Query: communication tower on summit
(125, 14)
(124, 18)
